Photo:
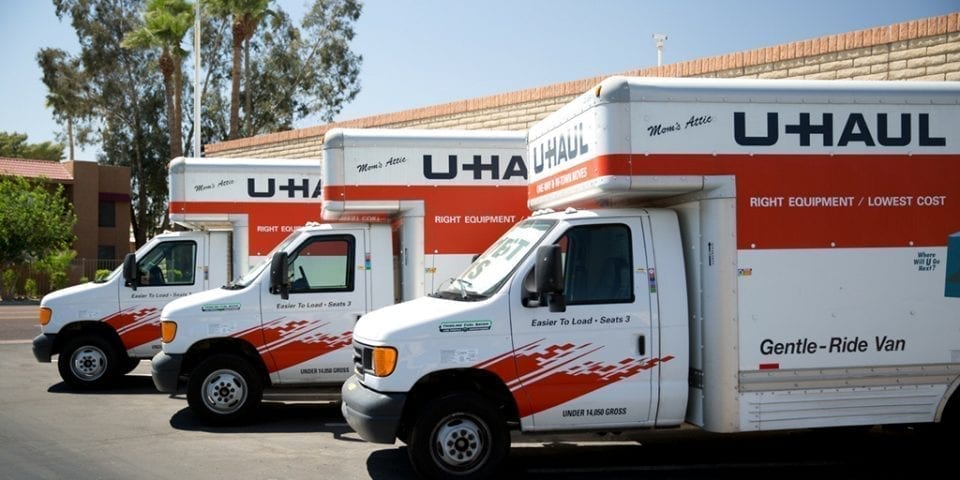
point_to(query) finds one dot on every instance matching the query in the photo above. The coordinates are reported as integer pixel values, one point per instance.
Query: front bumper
(165, 370)
(373, 415)
(43, 347)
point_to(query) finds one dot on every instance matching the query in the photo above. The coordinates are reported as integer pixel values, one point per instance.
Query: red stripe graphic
(877, 200)
(136, 325)
(542, 378)
(283, 343)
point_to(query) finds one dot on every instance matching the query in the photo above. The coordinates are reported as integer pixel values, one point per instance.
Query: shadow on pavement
(274, 417)
(126, 385)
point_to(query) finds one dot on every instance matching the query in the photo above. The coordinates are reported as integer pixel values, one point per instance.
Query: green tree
(36, 221)
(245, 16)
(165, 24)
(127, 103)
(68, 95)
(15, 145)
(330, 69)
(291, 72)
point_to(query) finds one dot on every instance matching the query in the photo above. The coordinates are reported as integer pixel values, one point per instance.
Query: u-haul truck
(412, 208)
(235, 210)
(736, 255)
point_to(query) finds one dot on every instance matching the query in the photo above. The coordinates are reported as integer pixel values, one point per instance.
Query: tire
(224, 390)
(89, 362)
(460, 435)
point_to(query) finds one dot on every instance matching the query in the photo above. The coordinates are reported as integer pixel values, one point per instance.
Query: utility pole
(659, 38)
(196, 82)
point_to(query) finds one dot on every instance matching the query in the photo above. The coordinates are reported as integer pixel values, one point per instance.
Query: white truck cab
(731, 254)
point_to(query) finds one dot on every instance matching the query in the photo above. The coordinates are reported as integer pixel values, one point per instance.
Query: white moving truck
(422, 203)
(738, 255)
(235, 209)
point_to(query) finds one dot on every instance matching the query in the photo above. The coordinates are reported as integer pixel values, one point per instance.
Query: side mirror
(548, 277)
(130, 277)
(280, 275)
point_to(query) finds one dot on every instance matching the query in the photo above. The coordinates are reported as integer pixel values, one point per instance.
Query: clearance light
(45, 314)
(384, 361)
(168, 331)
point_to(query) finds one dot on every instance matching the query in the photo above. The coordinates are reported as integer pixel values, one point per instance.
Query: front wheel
(460, 435)
(224, 390)
(89, 362)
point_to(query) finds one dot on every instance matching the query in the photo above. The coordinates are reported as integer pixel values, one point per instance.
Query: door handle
(642, 345)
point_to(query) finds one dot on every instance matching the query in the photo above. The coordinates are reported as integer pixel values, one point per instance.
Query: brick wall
(926, 49)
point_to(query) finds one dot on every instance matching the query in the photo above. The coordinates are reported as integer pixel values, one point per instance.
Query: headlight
(45, 314)
(168, 331)
(384, 361)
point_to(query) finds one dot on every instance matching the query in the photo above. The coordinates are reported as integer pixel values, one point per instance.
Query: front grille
(362, 359)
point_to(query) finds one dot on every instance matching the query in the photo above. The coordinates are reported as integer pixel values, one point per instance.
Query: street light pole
(659, 38)
(196, 82)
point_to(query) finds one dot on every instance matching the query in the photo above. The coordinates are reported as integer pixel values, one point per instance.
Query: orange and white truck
(737, 255)
(411, 209)
(232, 211)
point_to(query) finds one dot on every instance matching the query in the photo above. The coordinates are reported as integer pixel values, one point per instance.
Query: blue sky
(425, 52)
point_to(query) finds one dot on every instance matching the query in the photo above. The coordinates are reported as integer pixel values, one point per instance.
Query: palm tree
(165, 24)
(246, 16)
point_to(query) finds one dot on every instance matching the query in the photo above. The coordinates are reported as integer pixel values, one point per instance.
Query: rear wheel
(460, 435)
(89, 362)
(224, 389)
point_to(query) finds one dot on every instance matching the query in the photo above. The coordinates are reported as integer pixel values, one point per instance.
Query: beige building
(924, 49)
(101, 199)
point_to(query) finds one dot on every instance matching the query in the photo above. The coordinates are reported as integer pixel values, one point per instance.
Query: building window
(106, 252)
(107, 214)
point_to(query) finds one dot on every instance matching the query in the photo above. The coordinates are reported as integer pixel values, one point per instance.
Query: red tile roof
(23, 167)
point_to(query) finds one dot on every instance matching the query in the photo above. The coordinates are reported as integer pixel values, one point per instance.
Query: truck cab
(102, 329)
(563, 305)
(285, 324)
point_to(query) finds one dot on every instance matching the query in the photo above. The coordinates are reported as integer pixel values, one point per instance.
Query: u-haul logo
(888, 130)
(564, 146)
(490, 167)
(292, 187)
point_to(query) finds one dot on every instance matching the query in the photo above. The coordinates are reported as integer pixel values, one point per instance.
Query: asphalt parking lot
(133, 432)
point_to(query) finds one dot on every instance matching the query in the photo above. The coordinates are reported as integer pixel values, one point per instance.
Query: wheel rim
(460, 442)
(88, 363)
(224, 391)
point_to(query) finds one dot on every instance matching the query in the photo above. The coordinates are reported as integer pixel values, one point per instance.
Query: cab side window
(323, 264)
(169, 263)
(597, 264)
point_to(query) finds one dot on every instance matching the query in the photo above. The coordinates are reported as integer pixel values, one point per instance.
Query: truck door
(307, 337)
(166, 272)
(590, 364)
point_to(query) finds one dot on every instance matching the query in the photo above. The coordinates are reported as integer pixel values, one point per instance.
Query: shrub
(10, 278)
(101, 274)
(30, 288)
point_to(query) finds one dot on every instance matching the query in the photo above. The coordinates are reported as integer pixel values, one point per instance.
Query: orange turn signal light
(168, 331)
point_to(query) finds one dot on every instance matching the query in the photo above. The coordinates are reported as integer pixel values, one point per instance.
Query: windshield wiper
(463, 284)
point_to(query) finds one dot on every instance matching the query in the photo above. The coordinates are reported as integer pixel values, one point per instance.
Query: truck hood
(217, 300)
(72, 294)
(420, 319)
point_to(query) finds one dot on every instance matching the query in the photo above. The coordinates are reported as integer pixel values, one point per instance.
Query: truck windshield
(492, 269)
(264, 264)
